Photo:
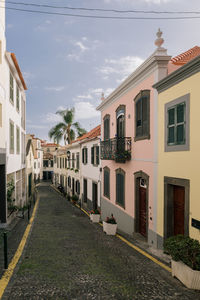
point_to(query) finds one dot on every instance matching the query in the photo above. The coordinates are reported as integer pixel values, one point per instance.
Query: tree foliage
(67, 128)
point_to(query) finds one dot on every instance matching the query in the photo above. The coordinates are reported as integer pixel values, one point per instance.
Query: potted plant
(110, 225)
(185, 253)
(76, 170)
(74, 199)
(95, 216)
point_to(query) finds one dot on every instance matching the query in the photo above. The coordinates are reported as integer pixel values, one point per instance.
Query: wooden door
(179, 205)
(142, 211)
(94, 195)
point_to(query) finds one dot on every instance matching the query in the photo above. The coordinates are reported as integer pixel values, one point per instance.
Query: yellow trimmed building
(178, 205)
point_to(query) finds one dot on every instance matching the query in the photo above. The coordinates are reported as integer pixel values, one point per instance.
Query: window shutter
(79, 187)
(92, 155)
(144, 116)
(97, 155)
(139, 117)
(106, 183)
(83, 156)
(120, 189)
(106, 129)
(86, 155)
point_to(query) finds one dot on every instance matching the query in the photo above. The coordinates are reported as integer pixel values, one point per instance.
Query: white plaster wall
(90, 172)
(2, 75)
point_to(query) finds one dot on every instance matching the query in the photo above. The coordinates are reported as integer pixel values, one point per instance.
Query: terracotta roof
(186, 56)
(49, 145)
(18, 70)
(91, 134)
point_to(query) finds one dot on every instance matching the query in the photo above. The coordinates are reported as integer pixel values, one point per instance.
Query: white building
(29, 168)
(48, 161)
(12, 124)
(91, 168)
(38, 158)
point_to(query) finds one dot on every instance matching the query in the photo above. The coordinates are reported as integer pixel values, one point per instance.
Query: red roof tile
(91, 134)
(186, 56)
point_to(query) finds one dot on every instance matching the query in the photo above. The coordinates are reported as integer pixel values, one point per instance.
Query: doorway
(176, 206)
(142, 211)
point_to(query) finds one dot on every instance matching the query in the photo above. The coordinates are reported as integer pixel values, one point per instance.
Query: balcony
(118, 149)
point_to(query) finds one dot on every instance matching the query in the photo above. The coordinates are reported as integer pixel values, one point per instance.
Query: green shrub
(68, 197)
(75, 198)
(184, 249)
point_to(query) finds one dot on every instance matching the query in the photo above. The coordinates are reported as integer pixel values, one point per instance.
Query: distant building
(29, 168)
(48, 160)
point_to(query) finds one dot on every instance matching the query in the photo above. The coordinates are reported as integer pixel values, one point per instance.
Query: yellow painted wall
(181, 164)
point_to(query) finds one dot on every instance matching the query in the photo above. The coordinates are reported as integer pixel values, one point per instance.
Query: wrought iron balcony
(118, 149)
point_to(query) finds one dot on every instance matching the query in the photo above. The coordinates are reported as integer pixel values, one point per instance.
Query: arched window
(120, 115)
(120, 187)
(142, 115)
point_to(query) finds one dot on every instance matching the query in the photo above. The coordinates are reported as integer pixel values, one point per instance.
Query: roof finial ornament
(159, 41)
(102, 96)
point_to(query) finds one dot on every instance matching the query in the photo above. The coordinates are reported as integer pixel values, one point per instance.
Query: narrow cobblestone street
(67, 257)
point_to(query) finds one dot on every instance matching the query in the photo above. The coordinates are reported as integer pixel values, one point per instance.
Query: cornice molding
(179, 75)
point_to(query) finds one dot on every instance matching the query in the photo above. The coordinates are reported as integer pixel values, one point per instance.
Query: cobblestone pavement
(68, 257)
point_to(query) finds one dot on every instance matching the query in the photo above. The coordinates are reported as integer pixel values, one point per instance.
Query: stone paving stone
(68, 257)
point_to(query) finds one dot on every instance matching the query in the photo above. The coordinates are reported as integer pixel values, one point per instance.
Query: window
(69, 181)
(1, 115)
(60, 163)
(18, 140)
(84, 155)
(38, 165)
(57, 162)
(38, 154)
(11, 88)
(177, 124)
(51, 163)
(106, 122)
(48, 150)
(78, 187)
(120, 116)
(11, 137)
(65, 163)
(45, 163)
(54, 159)
(95, 155)
(73, 160)
(106, 182)
(120, 187)
(142, 115)
(23, 114)
(77, 161)
(34, 165)
(17, 99)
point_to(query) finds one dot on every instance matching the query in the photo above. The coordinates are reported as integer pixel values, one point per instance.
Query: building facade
(178, 152)
(48, 160)
(129, 148)
(29, 169)
(12, 130)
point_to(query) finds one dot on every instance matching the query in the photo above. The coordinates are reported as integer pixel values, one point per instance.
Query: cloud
(54, 88)
(85, 110)
(51, 118)
(121, 67)
(93, 94)
(36, 126)
(81, 46)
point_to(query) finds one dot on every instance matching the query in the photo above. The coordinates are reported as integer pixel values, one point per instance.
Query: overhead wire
(102, 9)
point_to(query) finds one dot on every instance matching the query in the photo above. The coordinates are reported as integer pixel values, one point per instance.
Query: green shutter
(106, 183)
(180, 134)
(144, 116)
(97, 155)
(83, 156)
(180, 113)
(92, 155)
(139, 117)
(120, 189)
(171, 116)
(86, 155)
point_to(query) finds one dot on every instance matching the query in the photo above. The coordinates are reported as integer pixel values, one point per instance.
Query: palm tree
(67, 128)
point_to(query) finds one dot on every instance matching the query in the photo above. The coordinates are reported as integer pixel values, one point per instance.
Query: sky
(69, 61)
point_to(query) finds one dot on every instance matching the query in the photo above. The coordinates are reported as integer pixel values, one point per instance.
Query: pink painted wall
(141, 150)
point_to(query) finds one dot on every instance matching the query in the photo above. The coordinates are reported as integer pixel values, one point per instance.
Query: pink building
(129, 145)
(129, 148)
